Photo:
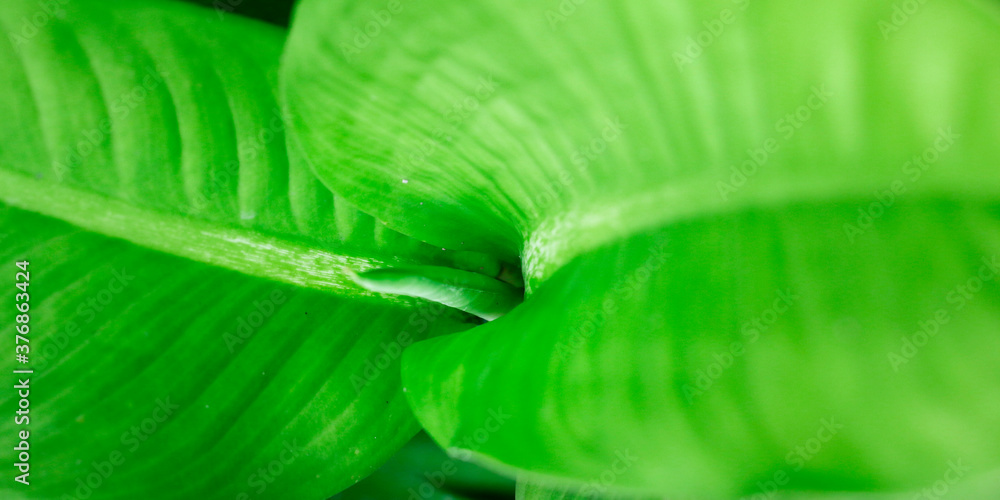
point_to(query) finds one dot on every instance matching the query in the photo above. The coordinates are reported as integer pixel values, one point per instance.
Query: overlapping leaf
(690, 362)
(157, 377)
(421, 470)
(242, 361)
(159, 124)
(833, 163)
(556, 128)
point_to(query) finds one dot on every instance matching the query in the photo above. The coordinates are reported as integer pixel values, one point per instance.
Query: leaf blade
(598, 125)
(188, 380)
(114, 114)
(688, 362)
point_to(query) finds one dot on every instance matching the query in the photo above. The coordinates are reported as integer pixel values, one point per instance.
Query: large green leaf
(157, 377)
(549, 128)
(687, 361)
(156, 124)
(843, 153)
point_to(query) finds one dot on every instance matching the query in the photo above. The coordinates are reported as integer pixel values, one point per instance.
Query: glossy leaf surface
(688, 362)
(232, 357)
(843, 154)
(157, 377)
(157, 124)
(539, 130)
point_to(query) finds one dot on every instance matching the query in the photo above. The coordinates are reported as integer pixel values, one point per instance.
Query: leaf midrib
(237, 249)
(558, 238)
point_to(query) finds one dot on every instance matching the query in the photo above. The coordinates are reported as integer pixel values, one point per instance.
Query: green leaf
(157, 377)
(422, 471)
(528, 491)
(845, 153)
(466, 291)
(687, 361)
(979, 489)
(157, 124)
(240, 360)
(544, 129)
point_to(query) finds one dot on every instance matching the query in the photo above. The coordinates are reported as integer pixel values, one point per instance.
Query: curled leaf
(473, 293)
